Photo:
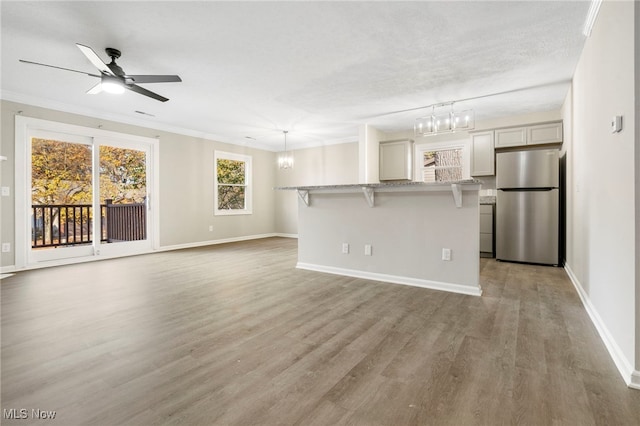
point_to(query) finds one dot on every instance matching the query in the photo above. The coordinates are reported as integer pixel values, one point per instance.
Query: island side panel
(406, 230)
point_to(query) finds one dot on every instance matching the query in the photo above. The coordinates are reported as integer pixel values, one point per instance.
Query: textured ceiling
(317, 69)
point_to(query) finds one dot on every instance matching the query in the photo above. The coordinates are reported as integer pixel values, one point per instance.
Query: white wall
(369, 139)
(602, 181)
(186, 182)
(325, 165)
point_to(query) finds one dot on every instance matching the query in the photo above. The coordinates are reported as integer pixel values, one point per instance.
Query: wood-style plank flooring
(235, 335)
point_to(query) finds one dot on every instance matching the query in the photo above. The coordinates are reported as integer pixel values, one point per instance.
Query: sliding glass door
(85, 195)
(61, 211)
(122, 176)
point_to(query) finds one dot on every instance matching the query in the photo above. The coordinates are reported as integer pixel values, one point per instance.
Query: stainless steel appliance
(528, 206)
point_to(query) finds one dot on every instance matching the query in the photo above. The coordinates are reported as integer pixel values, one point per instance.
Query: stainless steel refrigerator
(528, 206)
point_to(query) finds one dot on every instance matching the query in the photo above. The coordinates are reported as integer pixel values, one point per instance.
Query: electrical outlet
(345, 248)
(446, 254)
(210, 228)
(6, 191)
(367, 249)
(6, 247)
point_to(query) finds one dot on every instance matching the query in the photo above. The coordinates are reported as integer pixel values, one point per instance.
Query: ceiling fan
(113, 78)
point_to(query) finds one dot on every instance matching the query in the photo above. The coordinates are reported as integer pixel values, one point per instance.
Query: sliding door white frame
(25, 127)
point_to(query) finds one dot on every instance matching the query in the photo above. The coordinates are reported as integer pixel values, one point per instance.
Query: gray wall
(407, 232)
(326, 165)
(603, 180)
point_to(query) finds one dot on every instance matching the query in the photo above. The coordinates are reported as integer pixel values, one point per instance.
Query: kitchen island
(394, 232)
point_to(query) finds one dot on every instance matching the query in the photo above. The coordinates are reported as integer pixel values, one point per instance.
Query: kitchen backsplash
(488, 184)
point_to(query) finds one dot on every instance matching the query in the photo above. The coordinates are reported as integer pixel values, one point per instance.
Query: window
(232, 183)
(443, 165)
(443, 162)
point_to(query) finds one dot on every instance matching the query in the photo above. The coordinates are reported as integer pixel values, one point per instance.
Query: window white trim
(248, 201)
(463, 144)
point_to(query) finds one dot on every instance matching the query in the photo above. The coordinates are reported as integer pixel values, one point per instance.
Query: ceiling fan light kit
(444, 120)
(111, 85)
(113, 79)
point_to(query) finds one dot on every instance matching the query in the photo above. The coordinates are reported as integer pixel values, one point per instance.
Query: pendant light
(444, 120)
(285, 159)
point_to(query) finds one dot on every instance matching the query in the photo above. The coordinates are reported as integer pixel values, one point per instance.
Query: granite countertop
(487, 199)
(383, 185)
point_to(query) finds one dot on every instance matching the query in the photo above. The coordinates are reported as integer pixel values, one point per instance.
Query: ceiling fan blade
(95, 59)
(153, 78)
(145, 92)
(60, 68)
(95, 89)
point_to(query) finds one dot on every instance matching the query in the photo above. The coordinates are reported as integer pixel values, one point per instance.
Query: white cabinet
(482, 154)
(486, 230)
(538, 134)
(515, 136)
(396, 160)
(544, 133)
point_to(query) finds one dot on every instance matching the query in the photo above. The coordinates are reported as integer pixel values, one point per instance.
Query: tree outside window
(233, 183)
(443, 165)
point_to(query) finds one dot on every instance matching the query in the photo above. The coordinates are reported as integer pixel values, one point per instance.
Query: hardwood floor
(235, 335)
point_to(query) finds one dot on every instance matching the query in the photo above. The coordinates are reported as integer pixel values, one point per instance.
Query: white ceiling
(317, 69)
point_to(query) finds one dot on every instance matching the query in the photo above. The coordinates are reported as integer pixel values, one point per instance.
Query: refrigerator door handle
(547, 188)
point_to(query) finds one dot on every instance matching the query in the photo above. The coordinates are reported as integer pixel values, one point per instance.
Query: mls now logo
(15, 413)
(23, 413)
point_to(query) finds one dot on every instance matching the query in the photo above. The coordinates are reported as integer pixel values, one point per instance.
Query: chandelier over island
(443, 119)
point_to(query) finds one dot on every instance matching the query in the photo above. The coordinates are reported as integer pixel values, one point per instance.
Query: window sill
(231, 212)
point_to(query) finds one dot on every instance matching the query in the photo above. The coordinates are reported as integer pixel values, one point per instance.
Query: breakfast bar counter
(412, 233)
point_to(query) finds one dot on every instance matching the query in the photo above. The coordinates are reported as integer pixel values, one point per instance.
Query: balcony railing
(55, 225)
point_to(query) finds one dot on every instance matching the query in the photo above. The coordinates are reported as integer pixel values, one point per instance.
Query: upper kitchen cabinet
(396, 160)
(482, 154)
(544, 133)
(538, 134)
(515, 136)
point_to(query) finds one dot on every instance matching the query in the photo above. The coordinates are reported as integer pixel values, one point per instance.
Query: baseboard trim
(216, 242)
(12, 269)
(393, 279)
(278, 234)
(6, 270)
(631, 377)
(635, 380)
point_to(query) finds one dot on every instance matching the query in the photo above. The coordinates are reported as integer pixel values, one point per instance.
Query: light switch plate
(616, 124)
(446, 254)
(6, 191)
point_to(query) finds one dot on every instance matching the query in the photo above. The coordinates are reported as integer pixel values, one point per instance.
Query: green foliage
(123, 177)
(62, 173)
(231, 171)
(231, 184)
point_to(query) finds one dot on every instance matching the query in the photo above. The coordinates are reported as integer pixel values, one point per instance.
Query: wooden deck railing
(126, 222)
(54, 225)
